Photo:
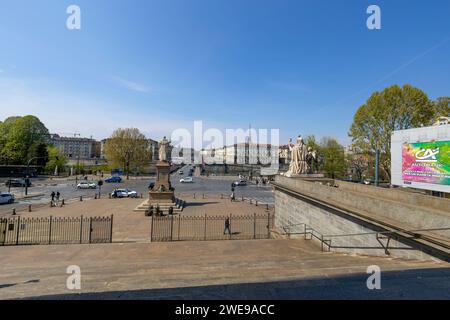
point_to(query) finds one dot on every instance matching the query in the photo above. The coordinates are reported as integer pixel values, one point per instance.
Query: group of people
(55, 198)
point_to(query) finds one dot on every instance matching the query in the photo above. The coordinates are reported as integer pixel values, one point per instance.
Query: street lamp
(28, 172)
(128, 154)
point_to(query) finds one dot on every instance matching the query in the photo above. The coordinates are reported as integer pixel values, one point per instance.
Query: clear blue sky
(300, 66)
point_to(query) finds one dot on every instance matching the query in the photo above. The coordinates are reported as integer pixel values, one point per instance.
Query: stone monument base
(162, 195)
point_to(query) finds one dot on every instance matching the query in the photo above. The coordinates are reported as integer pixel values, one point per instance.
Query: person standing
(227, 227)
(57, 197)
(53, 197)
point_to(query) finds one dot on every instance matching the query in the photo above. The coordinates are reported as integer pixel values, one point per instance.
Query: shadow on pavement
(409, 284)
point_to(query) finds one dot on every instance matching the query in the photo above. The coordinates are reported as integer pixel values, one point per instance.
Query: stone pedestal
(162, 192)
(162, 195)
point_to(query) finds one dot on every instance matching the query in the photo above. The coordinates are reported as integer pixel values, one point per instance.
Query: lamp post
(128, 154)
(377, 164)
(27, 177)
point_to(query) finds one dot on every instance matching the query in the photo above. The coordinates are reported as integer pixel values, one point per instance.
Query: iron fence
(203, 228)
(55, 230)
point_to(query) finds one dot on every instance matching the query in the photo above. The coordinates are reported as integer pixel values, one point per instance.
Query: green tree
(39, 151)
(442, 107)
(127, 148)
(55, 159)
(395, 108)
(333, 158)
(19, 134)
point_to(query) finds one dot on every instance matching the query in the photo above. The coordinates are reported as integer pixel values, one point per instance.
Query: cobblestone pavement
(261, 269)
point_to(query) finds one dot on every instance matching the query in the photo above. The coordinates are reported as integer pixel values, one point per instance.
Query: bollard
(203, 196)
(51, 204)
(142, 196)
(29, 208)
(194, 195)
(221, 196)
(256, 203)
(14, 211)
(267, 206)
(109, 195)
(95, 197)
(251, 201)
(81, 198)
(62, 203)
(242, 199)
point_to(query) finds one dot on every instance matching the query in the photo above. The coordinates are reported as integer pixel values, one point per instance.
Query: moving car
(6, 198)
(114, 179)
(87, 185)
(18, 183)
(187, 180)
(124, 193)
(240, 183)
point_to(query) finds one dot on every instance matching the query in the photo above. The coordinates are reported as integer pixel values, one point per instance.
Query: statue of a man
(163, 149)
(299, 158)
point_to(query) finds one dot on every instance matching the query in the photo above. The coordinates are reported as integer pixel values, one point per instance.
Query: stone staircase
(177, 205)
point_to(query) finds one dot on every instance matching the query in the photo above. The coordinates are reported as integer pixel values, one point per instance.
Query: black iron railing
(210, 227)
(55, 230)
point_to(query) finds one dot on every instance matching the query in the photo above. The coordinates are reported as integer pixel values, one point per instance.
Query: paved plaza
(134, 226)
(211, 186)
(262, 269)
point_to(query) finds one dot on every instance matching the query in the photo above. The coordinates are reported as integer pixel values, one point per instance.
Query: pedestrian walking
(53, 194)
(227, 227)
(57, 197)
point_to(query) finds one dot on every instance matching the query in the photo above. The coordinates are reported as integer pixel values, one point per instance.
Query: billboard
(426, 162)
(420, 158)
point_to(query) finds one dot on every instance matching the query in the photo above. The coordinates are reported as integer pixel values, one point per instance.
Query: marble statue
(163, 149)
(299, 158)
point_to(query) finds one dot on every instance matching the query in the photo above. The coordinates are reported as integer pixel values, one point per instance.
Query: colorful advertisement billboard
(426, 162)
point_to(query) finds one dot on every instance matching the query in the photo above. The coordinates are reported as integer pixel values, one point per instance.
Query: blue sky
(303, 67)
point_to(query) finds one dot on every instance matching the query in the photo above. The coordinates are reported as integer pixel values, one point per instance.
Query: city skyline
(297, 66)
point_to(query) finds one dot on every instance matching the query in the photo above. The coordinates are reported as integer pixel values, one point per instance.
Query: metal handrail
(327, 239)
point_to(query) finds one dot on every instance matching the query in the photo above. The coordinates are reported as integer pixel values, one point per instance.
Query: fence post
(268, 225)
(254, 225)
(230, 227)
(171, 227)
(179, 226)
(50, 230)
(18, 230)
(205, 226)
(81, 230)
(151, 228)
(90, 230)
(111, 231)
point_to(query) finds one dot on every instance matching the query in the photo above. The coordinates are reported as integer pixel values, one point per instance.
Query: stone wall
(295, 211)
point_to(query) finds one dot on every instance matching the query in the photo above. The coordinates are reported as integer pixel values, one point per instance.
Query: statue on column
(299, 158)
(163, 149)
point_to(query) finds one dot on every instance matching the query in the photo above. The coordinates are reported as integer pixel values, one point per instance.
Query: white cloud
(69, 113)
(130, 85)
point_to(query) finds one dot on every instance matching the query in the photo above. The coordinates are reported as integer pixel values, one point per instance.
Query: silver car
(6, 198)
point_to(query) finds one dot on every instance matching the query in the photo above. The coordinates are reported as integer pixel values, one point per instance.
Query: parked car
(114, 179)
(6, 198)
(18, 183)
(240, 183)
(124, 193)
(187, 180)
(87, 185)
(180, 172)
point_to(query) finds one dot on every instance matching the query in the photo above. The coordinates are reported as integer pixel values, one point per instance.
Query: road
(201, 185)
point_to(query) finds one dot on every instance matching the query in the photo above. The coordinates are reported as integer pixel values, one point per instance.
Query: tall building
(74, 148)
